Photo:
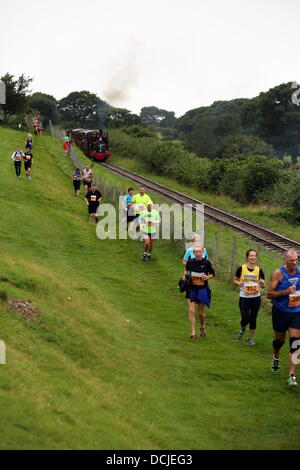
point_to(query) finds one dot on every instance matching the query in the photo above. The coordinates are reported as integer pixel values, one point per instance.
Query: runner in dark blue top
(28, 160)
(284, 290)
(199, 271)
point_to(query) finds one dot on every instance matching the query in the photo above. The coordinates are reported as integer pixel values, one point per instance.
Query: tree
(201, 128)
(16, 93)
(153, 116)
(80, 107)
(242, 145)
(46, 105)
(119, 117)
(259, 173)
(273, 117)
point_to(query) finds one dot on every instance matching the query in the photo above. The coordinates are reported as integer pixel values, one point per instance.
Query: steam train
(94, 143)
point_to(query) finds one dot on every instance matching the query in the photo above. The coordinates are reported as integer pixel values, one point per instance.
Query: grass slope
(109, 364)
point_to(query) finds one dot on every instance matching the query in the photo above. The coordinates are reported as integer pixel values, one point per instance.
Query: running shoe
(292, 381)
(144, 257)
(240, 334)
(275, 364)
(148, 257)
(251, 342)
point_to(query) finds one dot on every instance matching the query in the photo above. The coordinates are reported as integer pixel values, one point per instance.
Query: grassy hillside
(108, 363)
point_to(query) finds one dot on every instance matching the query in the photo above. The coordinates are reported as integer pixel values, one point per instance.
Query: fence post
(217, 250)
(233, 257)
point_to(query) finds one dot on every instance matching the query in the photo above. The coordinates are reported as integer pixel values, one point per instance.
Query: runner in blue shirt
(126, 200)
(189, 254)
(284, 290)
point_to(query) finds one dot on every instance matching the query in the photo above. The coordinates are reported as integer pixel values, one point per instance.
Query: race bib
(197, 279)
(140, 207)
(28, 157)
(149, 223)
(294, 299)
(251, 288)
(93, 198)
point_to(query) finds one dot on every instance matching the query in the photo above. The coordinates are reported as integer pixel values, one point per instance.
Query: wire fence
(226, 257)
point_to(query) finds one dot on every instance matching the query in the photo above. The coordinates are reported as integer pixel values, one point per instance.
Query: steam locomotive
(94, 143)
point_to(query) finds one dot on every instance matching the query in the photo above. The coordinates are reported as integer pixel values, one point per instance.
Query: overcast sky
(173, 54)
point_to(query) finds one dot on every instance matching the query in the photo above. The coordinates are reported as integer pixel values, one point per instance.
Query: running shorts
(282, 321)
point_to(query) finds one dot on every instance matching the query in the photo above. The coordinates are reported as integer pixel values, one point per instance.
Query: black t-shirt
(28, 156)
(201, 266)
(239, 272)
(93, 196)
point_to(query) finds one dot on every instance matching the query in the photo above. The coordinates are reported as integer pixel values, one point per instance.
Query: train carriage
(93, 142)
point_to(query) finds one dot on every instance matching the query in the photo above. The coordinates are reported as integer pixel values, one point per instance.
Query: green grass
(109, 363)
(267, 216)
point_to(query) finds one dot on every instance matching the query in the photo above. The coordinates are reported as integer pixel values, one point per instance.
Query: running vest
(87, 175)
(149, 221)
(288, 303)
(18, 155)
(251, 278)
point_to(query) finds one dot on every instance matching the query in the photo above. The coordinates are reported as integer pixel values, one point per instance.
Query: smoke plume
(124, 75)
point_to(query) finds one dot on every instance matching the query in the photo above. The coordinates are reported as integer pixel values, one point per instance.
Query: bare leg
(191, 310)
(202, 320)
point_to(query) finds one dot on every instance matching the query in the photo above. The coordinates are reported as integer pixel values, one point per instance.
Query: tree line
(78, 109)
(267, 124)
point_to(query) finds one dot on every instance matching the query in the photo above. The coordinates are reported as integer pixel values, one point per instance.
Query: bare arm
(275, 279)
(237, 281)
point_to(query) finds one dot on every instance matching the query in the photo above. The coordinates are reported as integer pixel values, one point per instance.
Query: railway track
(270, 240)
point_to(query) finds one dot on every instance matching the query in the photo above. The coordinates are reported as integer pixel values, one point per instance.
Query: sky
(174, 54)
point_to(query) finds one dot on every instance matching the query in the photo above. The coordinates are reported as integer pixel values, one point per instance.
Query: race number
(294, 299)
(251, 288)
(197, 279)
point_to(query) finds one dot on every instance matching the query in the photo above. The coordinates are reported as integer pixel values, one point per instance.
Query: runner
(198, 271)
(35, 124)
(149, 219)
(87, 177)
(40, 128)
(77, 177)
(28, 160)
(66, 144)
(248, 277)
(140, 202)
(189, 253)
(126, 200)
(28, 142)
(17, 158)
(284, 290)
(93, 198)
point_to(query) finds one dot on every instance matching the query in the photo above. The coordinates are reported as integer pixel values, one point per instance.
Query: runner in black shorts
(87, 178)
(93, 199)
(17, 158)
(28, 160)
(77, 177)
(284, 290)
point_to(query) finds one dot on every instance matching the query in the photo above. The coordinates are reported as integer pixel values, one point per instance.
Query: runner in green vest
(149, 219)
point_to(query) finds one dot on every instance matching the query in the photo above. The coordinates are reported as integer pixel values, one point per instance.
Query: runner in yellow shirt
(150, 220)
(140, 202)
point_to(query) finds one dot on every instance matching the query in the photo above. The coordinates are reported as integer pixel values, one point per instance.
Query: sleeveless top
(250, 289)
(288, 303)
